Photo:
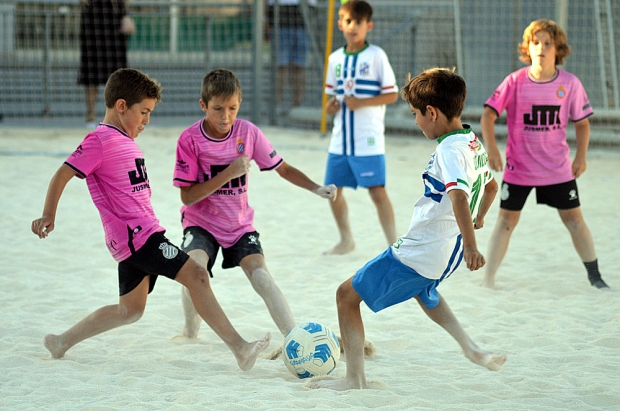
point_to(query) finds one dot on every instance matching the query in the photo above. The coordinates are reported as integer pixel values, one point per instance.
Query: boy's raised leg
(443, 316)
(353, 338)
(196, 279)
(129, 309)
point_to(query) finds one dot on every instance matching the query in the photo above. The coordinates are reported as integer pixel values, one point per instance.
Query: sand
(562, 336)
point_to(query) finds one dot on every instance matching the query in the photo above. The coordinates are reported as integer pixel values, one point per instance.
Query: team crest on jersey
(474, 144)
(240, 146)
(348, 87)
(561, 93)
(364, 69)
(168, 250)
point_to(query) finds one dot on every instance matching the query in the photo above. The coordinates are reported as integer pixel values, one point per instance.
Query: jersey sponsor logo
(138, 177)
(561, 92)
(240, 146)
(273, 154)
(168, 250)
(542, 118)
(481, 161)
(112, 245)
(235, 186)
(78, 151)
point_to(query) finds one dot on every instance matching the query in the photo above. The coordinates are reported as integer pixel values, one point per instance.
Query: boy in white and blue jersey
(458, 192)
(361, 83)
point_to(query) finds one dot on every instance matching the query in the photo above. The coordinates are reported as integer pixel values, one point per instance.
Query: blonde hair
(558, 36)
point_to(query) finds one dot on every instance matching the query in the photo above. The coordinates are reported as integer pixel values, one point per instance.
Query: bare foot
(54, 346)
(343, 247)
(489, 360)
(341, 384)
(190, 332)
(248, 354)
(488, 282)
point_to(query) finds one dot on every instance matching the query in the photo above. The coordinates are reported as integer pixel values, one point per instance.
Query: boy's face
(354, 31)
(425, 122)
(134, 118)
(542, 49)
(221, 114)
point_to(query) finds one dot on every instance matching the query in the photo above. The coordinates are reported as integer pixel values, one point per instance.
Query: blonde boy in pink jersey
(113, 166)
(540, 100)
(213, 160)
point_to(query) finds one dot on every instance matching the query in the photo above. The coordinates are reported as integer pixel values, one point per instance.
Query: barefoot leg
(443, 316)
(196, 279)
(341, 215)
(353, 337)
(128, 310)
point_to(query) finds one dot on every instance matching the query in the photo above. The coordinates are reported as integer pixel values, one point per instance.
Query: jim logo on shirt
(233, 187)
(542, 118)
(138, 177)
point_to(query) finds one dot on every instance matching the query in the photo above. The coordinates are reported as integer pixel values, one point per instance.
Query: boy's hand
(479, 223)
(353, 103)
(42, 226)
(578, 167)
(328, 191)
(473, 258)
(332, 107)
(495, 159)
(239, 167)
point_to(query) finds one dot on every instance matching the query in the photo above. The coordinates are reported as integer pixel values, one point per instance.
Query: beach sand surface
(561, 335)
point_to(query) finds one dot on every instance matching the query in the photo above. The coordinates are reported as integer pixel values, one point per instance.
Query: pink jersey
(113, 166)
(226, 213)
(538, 113)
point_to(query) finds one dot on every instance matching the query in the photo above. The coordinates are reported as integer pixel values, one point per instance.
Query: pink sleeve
(87, 156)
(500, 98)
(186, 167)
(580, 107)
(264, 154)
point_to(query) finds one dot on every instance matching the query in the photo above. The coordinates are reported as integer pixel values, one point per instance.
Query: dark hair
(219, 83)
(358, 9)
(437, 87)
(131, 85)
(558, 36)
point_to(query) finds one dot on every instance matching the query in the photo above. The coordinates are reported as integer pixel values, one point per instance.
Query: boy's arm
(490, 190)
(295, 176)
(353, 103)
(473, 258)
(487, 125)
(582, 137)
(191, 195)
(45, 225)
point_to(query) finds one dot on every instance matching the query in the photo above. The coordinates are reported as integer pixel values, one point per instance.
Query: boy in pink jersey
(540, 100)
(212, 164)
(114, 169)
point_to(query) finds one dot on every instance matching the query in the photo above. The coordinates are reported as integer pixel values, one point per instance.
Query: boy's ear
(370, 25)
(203, 106)
(121, 105)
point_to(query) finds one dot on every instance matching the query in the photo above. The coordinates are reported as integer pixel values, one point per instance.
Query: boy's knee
(346, 294)
(131, 314)
(261, 279)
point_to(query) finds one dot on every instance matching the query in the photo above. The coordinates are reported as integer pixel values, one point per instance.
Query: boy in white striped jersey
(458, 188)
(362, 83)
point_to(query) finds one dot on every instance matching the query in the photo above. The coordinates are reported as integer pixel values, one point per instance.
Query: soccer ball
(311, 350)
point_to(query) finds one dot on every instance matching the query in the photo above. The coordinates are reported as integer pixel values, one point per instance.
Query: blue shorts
(563, 196)
(384, 281)
(293, 46)
(351, 171)
(197, 238)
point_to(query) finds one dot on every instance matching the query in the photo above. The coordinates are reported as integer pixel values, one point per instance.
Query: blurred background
(178, 41)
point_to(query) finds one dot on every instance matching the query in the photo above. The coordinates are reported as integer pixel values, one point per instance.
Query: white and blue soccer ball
(311, 350)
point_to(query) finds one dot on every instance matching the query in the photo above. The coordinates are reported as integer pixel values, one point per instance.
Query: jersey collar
(465, 130)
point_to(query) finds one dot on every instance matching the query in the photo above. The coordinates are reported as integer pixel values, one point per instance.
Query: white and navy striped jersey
(364, 74)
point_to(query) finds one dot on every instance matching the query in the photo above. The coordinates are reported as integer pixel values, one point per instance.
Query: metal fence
(178, 41)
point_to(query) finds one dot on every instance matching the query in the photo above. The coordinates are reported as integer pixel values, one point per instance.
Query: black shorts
(157, 256)
(563, 196)
(197, 238)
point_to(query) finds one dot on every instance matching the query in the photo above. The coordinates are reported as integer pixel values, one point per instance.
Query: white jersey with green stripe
(433, 245)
